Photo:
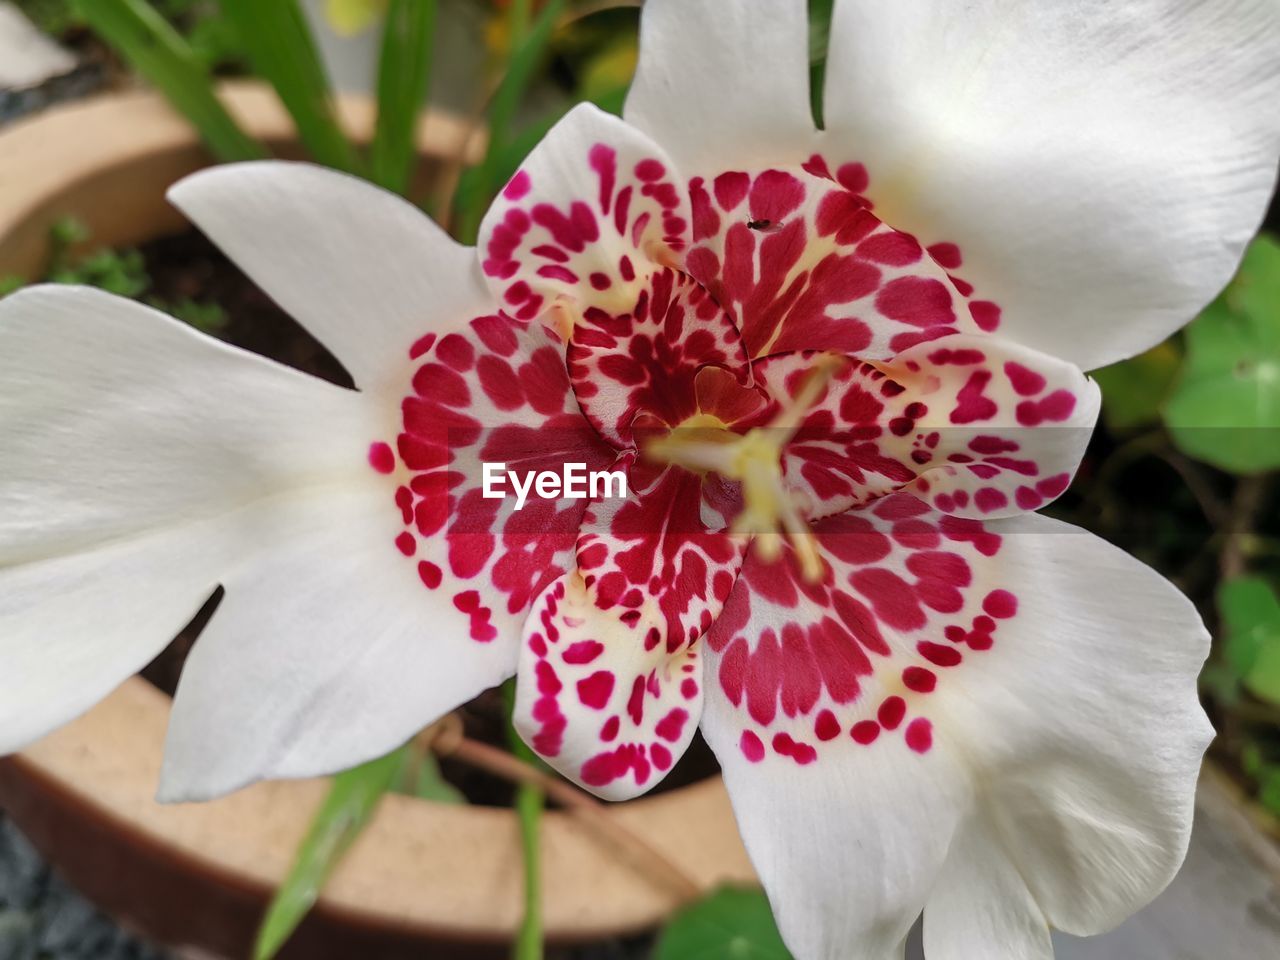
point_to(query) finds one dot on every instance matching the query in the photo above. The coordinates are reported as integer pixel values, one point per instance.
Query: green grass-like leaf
(403, 73)
(280, 46)
(471, 189)
(346, 811)
(426, 782)
(152, 47)
(819, 40)
(501, 116)
(529, 805)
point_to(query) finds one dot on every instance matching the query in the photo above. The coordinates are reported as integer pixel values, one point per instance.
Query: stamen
(560, 319)
(661, 254)
(770, 512)
(825, 366)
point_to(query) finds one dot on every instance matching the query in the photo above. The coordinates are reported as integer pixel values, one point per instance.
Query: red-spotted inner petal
(801, 262)
(976, 425)
(911, 596)
(648, 360)
(659, 559)
(611, 680)
(606, 711)
(591, 213)
(496, 391)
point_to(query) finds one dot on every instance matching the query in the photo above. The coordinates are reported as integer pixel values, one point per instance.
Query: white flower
(861, 346)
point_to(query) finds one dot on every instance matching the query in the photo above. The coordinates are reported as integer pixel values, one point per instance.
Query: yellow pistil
(705, 445)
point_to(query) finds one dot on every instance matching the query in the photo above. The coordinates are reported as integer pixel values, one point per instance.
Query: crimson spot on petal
(381, 457)
(1001, 604)
(826, 727)
(751, 746)
(919, 735)
(865, 732)
(891, 712)
(594, 691)
(919, 679)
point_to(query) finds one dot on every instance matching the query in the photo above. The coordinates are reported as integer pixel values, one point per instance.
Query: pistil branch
(771, 512)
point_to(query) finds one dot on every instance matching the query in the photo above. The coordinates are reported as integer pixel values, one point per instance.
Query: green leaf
(279, 44)
(66, 232)
(54, 17)
(429, 783)
(529, 804)
(728, 925)
(64, 235)
(819, 40)
(1251, 615)
(519, 13)
(346, 811)
(1134, 390)
(1251, 759)
(216, 44)
(610, 69)
(206, 316)
(1269, 788)
(122, 272)
(1226, 408)
(501, 115)
(508, 159)
(819, 29)
(152, 47)
(403, 71)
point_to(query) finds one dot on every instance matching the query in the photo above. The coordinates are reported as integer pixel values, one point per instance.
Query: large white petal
(1100, 163)
(124, 436)
(326, 651)
(360, 268)
(981, 906)
(724, 84)
(847, 851)
(998, 724)
(1089, 729)
(366, 615)
(145, 464)
(74, 627)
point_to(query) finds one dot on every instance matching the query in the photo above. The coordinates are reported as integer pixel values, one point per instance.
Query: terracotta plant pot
(199, 876)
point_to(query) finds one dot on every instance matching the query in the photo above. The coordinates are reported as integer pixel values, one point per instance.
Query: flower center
(771, 511)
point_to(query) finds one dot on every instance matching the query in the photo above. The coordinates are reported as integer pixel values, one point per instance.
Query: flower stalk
(642, 855)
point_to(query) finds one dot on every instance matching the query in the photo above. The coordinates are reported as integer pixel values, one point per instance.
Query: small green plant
(1251, 618)
(122, 272)
(1226, 407)
(205, 316)
(350, 805)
